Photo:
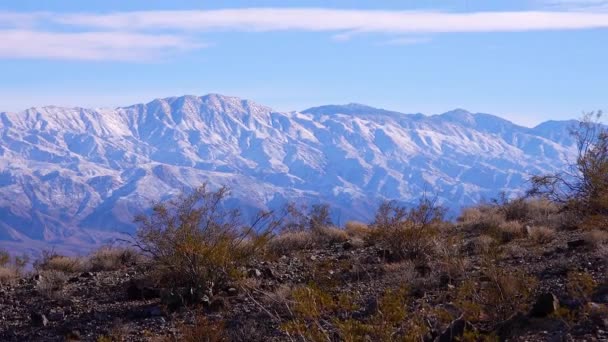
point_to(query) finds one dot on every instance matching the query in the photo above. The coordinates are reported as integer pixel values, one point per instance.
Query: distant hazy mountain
(75, 175)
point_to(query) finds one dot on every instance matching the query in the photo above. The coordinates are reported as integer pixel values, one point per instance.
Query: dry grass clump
(330, 235)
(111, 259)
(53, 261)
(289, 241)
(8, 275)
(485, 243)
(541, 235)
(356, 229)
(471, 215)
(497, 299)
(483, 219)
(596, 238)
(511, 230)
(11, 268)
(51, 281)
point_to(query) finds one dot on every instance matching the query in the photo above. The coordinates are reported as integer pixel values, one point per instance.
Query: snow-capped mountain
(74, 175)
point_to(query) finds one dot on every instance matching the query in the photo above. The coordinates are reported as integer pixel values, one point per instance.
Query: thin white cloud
(318, 19)
(577, 5)
(121, 46)
(149, 34)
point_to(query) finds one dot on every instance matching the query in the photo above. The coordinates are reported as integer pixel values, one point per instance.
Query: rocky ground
(120, 306)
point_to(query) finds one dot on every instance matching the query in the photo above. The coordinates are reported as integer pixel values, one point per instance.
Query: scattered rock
(72, 336)
(217, 304)
(574, 244)
(136, 290)
(600, 294)
(38, 319)
(347, 245)
(254, 273)
(57, 315)
(455, 331)
(546, 304)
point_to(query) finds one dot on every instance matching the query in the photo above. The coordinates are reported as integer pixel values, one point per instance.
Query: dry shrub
(204, 329)
(11, 267)
(111, 259)
(484, 243)
(51, 281)
(542, 211)
(583, 187)
(510, 230)
(356, 229)
(541, 235)
(404, 270)
(317, 315)
(289, 241)
(330, 235)
(195, 242)
(449, 256)
(407, 233)
(498, 298)
(53, 261)
(8, 275)
(596, 237)
(470, 215)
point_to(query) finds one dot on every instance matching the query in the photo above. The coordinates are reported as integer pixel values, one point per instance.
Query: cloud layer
(135, 35)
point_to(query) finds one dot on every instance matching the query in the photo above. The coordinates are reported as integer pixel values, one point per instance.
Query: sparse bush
(330, 234)
(11, 268)
(7, 275)
(470, 215)
(583, 189)
(504, 294)
(5, 258)
(317, 316)
(111, 259)
(53, 261)
(356, 229)
(289, 241)
(541, 235)
(596, 238)
(193, 241)
(204, 329)
(484, 243)
(51, 282)
(407, 233)
(510, 230)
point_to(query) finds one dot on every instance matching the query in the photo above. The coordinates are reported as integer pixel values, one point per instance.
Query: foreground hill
(76, 176)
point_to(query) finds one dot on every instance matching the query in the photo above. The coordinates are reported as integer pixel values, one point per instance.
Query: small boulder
(601, 294)
(546, 304)
(232, 291)
(254, 273)
(574, 244)
(38, 319)
(217, 304)
(56, 315)
(455, 331)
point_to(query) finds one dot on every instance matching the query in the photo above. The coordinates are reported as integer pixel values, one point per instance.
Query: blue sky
(527, 61)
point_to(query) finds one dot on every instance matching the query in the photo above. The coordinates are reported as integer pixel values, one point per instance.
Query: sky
(524, 60)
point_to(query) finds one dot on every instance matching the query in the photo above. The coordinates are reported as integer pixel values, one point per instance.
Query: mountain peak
(350, 109)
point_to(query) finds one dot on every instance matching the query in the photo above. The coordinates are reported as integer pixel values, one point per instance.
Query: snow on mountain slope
(71, 175)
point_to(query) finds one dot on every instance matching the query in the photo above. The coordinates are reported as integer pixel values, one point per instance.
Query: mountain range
(74, 177)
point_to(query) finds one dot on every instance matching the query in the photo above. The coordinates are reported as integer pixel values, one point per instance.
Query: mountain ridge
(79, 175)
